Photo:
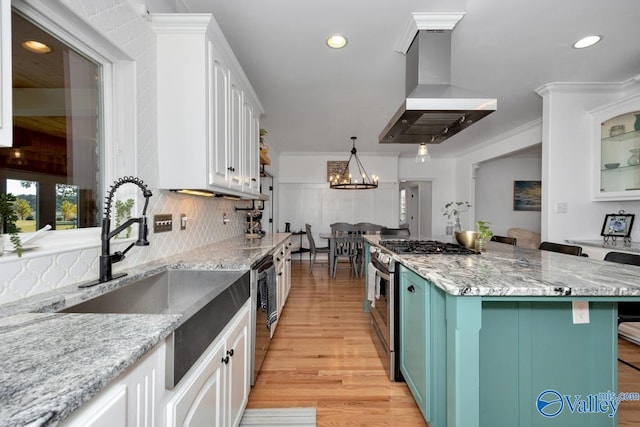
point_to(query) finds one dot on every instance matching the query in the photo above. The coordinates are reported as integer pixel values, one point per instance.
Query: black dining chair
(398, 232)
(504, 239)
(313, 249)
(561, 248)
(627, 311)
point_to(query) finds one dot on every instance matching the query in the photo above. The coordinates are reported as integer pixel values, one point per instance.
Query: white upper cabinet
(203, 140)
(6, 109)
(616, 150)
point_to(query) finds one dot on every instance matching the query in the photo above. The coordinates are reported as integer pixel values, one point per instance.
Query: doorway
(417, 207)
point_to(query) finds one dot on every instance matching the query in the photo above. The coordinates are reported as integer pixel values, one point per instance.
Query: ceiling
(316, 98)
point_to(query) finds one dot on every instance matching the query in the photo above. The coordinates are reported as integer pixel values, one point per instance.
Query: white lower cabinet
(216, 390)
(135, 399)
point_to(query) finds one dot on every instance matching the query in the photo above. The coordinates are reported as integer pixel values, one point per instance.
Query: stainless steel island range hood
(433, 110)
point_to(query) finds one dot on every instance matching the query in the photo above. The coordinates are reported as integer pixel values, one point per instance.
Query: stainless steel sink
(207, 300)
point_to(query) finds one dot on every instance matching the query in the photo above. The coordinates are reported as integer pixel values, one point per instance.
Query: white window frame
(119, 129)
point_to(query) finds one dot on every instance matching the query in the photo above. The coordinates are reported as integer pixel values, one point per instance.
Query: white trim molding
(426, 21)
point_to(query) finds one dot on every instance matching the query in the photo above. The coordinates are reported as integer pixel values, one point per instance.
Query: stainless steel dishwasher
(261, 272)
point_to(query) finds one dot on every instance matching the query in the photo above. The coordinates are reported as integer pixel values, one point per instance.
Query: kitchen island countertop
(507, 270)
(51, 363)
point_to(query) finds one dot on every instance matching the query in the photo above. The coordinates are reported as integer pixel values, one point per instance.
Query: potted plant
(8, 219)
(484, 234)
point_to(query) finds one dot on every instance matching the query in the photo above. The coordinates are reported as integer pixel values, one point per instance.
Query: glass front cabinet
(617, 150)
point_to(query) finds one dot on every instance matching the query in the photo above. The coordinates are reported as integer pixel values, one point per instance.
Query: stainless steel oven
(384, 313)
(385, 310)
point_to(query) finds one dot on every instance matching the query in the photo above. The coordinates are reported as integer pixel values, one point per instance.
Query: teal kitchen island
(512, 336)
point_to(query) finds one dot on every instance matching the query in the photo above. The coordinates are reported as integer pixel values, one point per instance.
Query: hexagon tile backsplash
(33, 274)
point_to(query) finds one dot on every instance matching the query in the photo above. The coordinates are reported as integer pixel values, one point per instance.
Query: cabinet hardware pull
(253, 179)
(411, 289)
(280, 274)
(230, 352)
(225, 360)
(232, 169)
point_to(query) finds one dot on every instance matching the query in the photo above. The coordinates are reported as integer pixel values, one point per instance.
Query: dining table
(331, 237)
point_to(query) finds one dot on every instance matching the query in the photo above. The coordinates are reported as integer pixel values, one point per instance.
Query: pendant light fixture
(344, 180)
(423, 155)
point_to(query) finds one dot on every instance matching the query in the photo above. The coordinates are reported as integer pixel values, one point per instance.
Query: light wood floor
(322, 356)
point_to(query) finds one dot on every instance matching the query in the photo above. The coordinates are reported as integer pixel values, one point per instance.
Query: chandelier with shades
(344, 180)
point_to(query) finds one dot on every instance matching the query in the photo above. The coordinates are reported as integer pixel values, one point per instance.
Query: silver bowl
(467, 238)
(611, 165)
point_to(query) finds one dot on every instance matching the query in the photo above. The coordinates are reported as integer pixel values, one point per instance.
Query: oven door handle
(383, 276)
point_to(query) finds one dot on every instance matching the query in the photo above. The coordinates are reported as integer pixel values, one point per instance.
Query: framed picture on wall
(335, 167)
(527, 195)
(617, 225)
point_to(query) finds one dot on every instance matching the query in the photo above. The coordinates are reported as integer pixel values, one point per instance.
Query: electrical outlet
(183, 221)
(580, 310)
(162, 223)
(561, 207)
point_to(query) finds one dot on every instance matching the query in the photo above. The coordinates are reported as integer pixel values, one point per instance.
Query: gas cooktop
(425, 247)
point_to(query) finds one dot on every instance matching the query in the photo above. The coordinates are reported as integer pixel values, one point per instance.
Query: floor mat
(299, 417)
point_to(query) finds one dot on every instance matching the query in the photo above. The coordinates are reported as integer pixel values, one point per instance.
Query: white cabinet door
(615, 174)
(136, 398)
(6, 109)
(238, 370)
(107, 410)
(220, 87)
(198, 400)
(215, 391)
(249, 152)
(235, 142)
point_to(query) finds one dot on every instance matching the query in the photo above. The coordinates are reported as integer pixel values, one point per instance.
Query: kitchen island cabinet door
(414, 297)
(423, 344)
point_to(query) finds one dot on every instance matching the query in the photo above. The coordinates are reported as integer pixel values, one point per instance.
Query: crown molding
(426, 21)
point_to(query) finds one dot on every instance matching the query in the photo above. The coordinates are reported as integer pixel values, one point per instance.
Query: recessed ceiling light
(586, 42)
(337, 41)
(36, 46)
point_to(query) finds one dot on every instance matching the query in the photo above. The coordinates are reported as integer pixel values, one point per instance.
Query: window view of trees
(27, 195)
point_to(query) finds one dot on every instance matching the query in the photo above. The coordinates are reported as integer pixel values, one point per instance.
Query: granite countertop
(512, 271)
(51, 363)
(618, 245)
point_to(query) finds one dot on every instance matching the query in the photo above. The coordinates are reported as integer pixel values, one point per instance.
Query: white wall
(304, 196)
(440, 172)
(303, 177)
(465, 186)
(494, 192)
(567, 149)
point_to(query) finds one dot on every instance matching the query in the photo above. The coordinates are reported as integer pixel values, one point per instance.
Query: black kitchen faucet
(107, 259)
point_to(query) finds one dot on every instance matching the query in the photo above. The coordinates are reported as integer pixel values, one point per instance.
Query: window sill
(54, 242)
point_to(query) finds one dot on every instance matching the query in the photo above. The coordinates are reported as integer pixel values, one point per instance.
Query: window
(57, 129)
(403, 206)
